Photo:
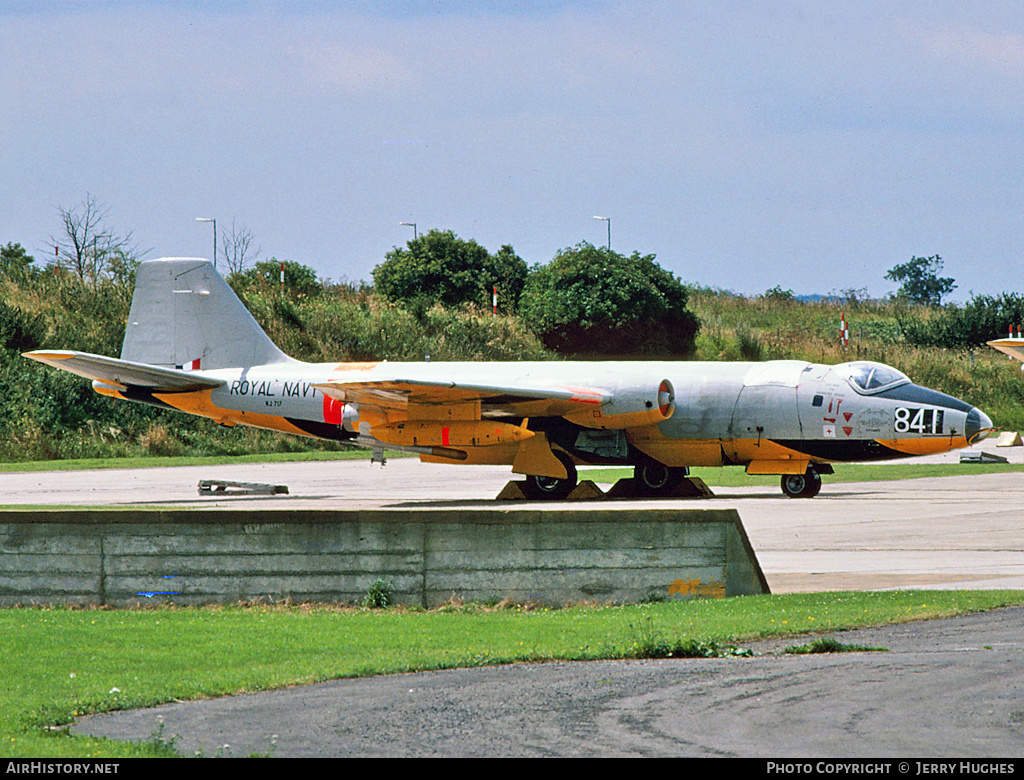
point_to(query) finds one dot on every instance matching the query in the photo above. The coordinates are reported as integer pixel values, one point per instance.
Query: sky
(748, 145)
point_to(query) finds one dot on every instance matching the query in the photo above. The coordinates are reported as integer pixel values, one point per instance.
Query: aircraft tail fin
(184, 315)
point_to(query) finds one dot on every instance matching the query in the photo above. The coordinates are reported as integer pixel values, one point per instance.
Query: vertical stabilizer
(184, 315)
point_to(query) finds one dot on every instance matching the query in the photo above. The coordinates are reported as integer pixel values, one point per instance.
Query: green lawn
(182, 460)
(59, 663)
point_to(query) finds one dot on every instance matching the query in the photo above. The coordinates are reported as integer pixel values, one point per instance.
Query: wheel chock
(982, 457)
(584, 491)
(513, 491)
(209, 487)
(1009, 439)
(688, 487)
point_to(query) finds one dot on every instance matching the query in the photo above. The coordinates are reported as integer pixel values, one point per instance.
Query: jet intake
(629, 408)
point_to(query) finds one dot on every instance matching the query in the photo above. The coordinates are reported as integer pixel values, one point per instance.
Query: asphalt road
(943, 688)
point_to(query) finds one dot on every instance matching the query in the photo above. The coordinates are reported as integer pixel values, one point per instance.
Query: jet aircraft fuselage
(191, 346)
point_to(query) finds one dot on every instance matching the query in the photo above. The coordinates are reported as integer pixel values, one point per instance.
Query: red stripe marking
(332, 410)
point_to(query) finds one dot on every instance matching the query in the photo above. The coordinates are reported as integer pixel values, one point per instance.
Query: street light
(609, 221)
(413, 226)
(210, 219)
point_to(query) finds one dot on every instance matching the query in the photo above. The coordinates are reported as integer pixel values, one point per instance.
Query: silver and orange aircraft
(191, 345)
(1014, 347)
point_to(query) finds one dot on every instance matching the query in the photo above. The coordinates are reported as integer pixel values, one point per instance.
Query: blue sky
(810, 145)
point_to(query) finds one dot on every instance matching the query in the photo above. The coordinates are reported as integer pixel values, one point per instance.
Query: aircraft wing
(124, 373)
(1012, 347)
(397, 392)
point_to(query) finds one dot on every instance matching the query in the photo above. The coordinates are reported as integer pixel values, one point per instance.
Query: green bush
(438, 267)
(981, 319)
(590, 301)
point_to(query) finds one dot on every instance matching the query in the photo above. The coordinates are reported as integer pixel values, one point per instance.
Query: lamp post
(210, 219)
(413, 226)
(609, 221)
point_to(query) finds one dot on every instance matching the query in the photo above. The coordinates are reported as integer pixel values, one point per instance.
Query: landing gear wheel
(804, 485)
(657, 478)
(550, 488)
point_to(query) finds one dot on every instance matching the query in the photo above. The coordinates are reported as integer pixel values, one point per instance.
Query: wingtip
(44, 355)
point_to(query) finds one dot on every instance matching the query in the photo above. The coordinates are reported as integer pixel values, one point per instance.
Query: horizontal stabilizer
(124, 373)
(1012, 347)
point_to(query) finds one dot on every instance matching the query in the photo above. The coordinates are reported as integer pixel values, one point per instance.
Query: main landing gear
(550, 488)
(649, 480)
(804, 485)
(657, 479)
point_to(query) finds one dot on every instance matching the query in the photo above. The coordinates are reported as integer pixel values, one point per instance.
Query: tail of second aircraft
(184, 315)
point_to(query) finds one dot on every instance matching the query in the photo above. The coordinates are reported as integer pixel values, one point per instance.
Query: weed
(161, 745)
(649, 643)
(380, 595)
(830, 645)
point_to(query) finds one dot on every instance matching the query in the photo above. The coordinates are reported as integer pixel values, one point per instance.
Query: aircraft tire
(806, 485)
(550, 488)
(657, 478)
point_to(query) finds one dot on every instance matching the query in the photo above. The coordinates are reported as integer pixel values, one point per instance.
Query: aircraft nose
(978, 425)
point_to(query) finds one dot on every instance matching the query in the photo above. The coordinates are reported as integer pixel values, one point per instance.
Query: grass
(161, 461)
(58, 664)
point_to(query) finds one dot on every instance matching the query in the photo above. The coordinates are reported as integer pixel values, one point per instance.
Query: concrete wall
(549, 556)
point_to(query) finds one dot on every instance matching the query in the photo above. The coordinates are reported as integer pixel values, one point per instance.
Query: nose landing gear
(803, 485)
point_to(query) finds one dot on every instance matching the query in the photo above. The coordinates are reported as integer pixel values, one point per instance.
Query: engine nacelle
(629, 407)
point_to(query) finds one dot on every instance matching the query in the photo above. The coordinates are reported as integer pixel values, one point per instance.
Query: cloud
(962, 48)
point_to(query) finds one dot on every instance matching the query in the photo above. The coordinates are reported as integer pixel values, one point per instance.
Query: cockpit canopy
(869, 378)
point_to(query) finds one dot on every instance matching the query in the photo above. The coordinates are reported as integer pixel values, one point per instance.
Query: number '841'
(917, 420)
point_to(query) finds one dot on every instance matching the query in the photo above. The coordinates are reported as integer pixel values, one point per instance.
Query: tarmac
(944, 688)
(948, 532)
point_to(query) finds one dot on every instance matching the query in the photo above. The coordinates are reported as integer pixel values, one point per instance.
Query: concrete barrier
(120, 557)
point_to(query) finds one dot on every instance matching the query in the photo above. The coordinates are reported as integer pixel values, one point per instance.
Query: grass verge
(58, 664)
(161, 461)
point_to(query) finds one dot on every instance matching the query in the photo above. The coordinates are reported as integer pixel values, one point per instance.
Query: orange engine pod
(454, 433)
(629, 408)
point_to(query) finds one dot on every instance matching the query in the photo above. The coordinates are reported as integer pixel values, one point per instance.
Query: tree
(593, 301)
(15, 262)
(920, 282)
(777, 295)
(236, 247)
(439, 267)
(981, 319)
(300, 280)
(87, 246)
